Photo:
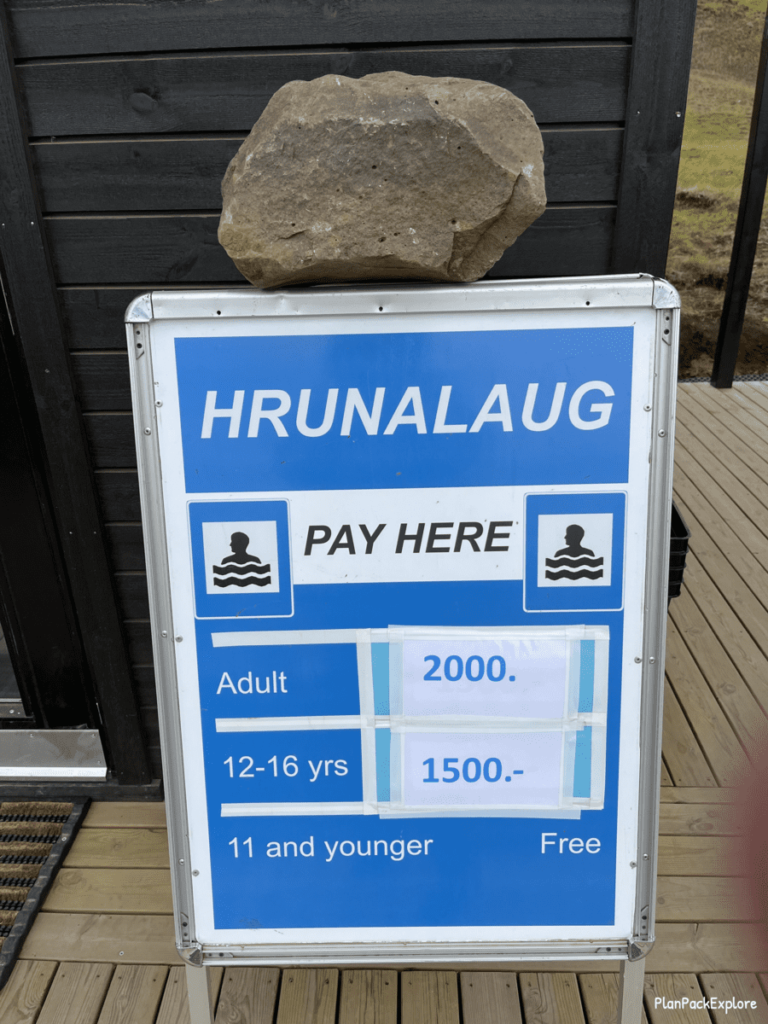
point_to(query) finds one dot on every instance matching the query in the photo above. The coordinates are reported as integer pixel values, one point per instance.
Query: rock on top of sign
(387, 176)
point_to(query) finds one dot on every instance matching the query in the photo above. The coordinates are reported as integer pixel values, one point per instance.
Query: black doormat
(34, 837)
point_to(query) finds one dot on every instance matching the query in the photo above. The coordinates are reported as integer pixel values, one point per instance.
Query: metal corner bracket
(665, 295)
(140, 309)
(637, 950)
(193, 955)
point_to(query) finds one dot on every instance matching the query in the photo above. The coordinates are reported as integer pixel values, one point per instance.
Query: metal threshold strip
(50, 754)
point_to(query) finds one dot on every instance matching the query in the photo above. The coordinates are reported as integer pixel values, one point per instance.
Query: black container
(680, 537)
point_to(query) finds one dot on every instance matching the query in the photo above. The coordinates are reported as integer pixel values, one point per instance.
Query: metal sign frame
(247, 312)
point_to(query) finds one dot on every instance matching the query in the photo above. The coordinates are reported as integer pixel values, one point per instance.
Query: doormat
(34, 838)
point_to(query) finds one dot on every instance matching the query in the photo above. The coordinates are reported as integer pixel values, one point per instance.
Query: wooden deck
(102, 949)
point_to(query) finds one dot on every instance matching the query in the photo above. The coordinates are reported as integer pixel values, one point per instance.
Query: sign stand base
(200, 995)
(631, 979)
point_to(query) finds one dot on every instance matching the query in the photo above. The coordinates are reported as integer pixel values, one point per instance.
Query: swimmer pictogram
(574, 562)
(241, 568)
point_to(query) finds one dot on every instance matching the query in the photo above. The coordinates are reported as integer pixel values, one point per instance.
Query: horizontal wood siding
(111, 439)
(102, 380)
(44, 28)
(130, 175)
(181, 249)
(93, 317)
(132, 588)
(221, 93)
(135, 112)
(118, 491)
(127, 546)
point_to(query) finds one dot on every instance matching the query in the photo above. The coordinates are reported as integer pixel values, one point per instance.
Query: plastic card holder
(490, 721)
(456, 722)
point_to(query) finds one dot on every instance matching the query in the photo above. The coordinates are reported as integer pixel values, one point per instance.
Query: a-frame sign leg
(631, 979)
(200, 995)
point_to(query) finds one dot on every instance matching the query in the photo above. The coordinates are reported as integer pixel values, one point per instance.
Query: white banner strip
(476, 724)
(301, 723)
(454, 811)
(278, 637)
(270, 810)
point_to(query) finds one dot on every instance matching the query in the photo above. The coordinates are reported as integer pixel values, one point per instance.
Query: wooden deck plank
(682, 750)
(756, 394)
(696, 416)
(174, 1009)
(708, 946)
(551, 998)
(736, 436)
(726, 507)
(429, 997)
(368, 997)
(740, 988)
(111, 891)
(708, 721)
(698, 795)
(119, 847)
(715, 561)
(248, 995)
(666, 778)
(723, 621)
(727, 541)
(102, 938)
(751, 429)
(131, 814)
(308, 996)
(673, 987)
(489, 998)
(696, 820)
(737, 432)
(742, 710)
(737, 399)
(680, 898)
(744, 488)
(600, 996)
(682, 753)
(695, 855)
(134, 994)
(77, 994)
(754, 389)
(702, 438)
(24, 992)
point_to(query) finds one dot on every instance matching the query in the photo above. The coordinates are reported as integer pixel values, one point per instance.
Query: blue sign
(476, 408)
(408, 567)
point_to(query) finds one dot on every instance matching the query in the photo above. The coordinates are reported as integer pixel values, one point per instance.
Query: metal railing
(747, 232)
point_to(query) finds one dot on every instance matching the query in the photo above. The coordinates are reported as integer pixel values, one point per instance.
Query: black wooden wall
(132, 113)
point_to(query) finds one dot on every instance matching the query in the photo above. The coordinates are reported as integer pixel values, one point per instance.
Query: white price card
(523, 769)
(485, 676)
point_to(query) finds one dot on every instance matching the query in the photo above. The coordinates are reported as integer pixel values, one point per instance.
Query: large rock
(387, 176)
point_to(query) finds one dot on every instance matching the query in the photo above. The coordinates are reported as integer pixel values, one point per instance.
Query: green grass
(712, 161)
(714, 148)
(713, 154)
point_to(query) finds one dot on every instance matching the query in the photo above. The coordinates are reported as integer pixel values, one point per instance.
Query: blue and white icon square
(241, 559)
(574, 552)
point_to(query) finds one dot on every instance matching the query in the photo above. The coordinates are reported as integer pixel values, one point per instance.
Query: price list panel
(406, 569)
